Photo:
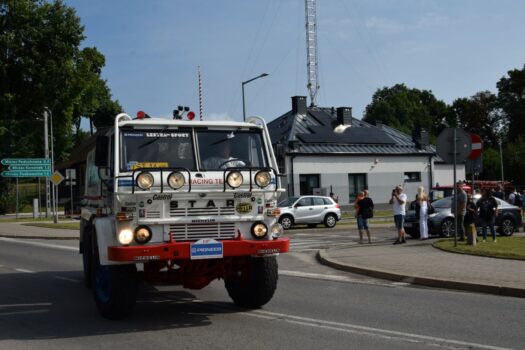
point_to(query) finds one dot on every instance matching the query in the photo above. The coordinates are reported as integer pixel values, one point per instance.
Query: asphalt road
(44, 305)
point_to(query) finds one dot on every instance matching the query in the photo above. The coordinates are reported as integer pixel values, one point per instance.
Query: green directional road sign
(30, 167)
(21, 173)
(26, 161)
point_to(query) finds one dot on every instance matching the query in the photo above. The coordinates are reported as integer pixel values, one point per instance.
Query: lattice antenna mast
(311, 51)
(200, 93)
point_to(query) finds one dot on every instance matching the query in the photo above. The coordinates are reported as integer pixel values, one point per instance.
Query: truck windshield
(230, 149)
(156, 149)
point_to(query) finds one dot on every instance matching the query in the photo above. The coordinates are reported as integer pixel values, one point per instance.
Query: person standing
(364, 211)
(470, 220)
(422, 205)
(398, 201)
(487, 210)
(459, 206)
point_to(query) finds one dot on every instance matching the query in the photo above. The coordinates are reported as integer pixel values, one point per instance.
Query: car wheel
(286, 222)
(507, 227)
(330, 220)
(447, 228)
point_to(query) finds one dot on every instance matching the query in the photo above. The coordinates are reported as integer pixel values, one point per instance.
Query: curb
(424, 281)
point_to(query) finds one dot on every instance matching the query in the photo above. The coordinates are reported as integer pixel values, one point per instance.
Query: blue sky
(453, 47)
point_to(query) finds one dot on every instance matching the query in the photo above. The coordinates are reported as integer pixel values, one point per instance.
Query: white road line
(38, 244)
(24, 270)
(22, 305)
(22, 312)
(67, 279)
(333, 278)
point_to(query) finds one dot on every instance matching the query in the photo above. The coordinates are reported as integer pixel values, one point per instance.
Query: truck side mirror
(101, 151)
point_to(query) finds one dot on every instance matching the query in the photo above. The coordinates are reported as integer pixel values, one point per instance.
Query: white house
(318, 160)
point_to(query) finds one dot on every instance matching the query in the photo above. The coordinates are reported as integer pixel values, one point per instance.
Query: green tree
(480, 115)
(404, 109)
(511, 97)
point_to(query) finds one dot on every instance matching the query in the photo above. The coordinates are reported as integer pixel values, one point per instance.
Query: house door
(356, 183)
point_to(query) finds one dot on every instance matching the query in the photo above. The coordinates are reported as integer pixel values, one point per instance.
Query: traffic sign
(30, 168)
(26, 161)
(445, 145)
(22, 173)
(57, 178)
(477, 146)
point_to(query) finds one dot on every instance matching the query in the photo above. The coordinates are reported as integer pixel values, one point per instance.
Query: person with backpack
(487, 212)
(515, 198)
(364, 210)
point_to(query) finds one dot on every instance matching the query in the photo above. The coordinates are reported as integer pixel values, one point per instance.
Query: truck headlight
(142, 234)
(259, 230)
(125, 236)
(176, 180)
(262, 178)
(145, 180)
(234, 179)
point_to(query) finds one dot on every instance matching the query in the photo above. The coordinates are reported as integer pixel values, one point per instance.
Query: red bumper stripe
(181, 250)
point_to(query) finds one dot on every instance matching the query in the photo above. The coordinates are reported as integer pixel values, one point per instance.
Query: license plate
(206, 249)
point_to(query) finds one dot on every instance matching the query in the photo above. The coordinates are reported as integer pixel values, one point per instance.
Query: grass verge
(26, 219)
(63, 226)
(505, 247)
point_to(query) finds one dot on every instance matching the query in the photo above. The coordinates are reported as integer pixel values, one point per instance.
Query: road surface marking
(66, 279)
(22, 305)
(38, 244)
(24, 270)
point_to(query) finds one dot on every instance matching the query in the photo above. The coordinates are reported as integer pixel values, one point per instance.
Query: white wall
(444, 174)
(382, 175)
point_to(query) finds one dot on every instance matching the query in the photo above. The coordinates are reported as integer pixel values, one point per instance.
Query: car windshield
(442, 203)
(156, 149)
(230, 149)
(288, 202)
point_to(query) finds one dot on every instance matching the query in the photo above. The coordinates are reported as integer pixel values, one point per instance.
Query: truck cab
(183, 203)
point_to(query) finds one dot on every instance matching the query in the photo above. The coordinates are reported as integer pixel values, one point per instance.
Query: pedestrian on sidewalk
(398, 201)
(487, 212)
(470, 220)
(459, 205)
(364, 211)
(422, 204)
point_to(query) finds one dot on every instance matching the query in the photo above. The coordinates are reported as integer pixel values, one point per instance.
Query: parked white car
(310, 210)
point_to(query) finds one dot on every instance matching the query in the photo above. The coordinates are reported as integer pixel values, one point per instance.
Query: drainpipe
(430, 173)
(292, 179)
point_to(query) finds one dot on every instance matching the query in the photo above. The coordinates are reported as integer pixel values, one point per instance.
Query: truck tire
(114, 288)
(255, 286)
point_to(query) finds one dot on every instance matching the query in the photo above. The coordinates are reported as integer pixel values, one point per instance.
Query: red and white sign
(477, 146)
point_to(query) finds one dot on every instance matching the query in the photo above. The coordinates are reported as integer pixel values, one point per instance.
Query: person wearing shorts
(398, 201)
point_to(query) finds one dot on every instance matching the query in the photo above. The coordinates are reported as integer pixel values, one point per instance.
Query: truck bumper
(182, 250)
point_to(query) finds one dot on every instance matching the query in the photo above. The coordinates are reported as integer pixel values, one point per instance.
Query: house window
(413, 176)
(356, 183)
(307, 183)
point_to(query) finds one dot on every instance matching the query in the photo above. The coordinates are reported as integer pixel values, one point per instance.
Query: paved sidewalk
(418, 262)
(19, 230)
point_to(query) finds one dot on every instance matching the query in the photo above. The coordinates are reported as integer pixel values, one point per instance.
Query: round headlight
(234, 179)
(145, 181)
(277, 231)
(176, 180)
(125, 237)
(142, 234)
(262, 178)
(259, 230)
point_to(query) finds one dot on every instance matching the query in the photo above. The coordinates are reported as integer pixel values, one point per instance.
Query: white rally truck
(181, 202)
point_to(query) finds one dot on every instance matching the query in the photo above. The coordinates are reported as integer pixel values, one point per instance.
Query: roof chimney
(420, 137)
(299, 104)
(344, 115)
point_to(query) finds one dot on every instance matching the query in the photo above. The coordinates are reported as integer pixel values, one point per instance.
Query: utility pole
(46, 155)
(311, 51)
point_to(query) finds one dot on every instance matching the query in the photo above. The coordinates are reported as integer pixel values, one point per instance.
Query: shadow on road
(49, 305)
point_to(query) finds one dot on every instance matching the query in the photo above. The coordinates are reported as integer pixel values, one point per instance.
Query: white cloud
(384, 25)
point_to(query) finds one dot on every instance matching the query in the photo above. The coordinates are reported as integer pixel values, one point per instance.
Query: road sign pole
(455, 192)
(17, 198)
(46, 155)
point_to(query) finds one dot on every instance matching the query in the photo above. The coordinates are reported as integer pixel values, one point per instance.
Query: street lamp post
(244, 83)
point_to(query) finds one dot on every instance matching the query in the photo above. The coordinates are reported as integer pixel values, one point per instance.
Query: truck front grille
(178, 212)
(194, 232)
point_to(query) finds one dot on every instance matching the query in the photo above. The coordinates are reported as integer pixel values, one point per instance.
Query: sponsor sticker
(149, 165)
(206, 249)
(241, 195)
(243, 208)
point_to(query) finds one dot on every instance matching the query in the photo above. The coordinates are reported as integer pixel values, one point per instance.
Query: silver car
(310, 210)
